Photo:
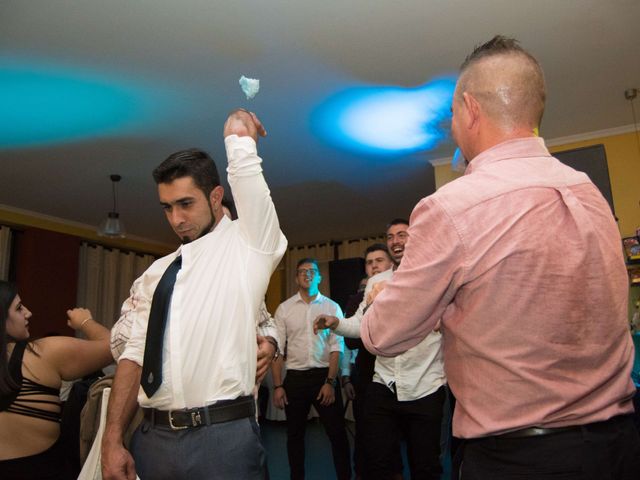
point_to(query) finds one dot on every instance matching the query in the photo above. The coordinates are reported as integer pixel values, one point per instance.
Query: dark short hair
(193, 163)
(397, 221)
(376, 247)
(307, 260)
(498, 45)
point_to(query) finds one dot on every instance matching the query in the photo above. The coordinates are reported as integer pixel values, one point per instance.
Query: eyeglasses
(312, 272)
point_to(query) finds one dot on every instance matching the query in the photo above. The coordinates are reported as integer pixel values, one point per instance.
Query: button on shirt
(416, 373)
(294, 320)
(521, 260)
(210, 341)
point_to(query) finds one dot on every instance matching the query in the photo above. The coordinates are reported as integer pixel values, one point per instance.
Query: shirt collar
(515, 148)
(318, 298)
(221, 224)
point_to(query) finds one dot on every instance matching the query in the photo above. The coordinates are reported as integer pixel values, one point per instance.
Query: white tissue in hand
(250, 86)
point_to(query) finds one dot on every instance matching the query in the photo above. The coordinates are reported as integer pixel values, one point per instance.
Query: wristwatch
(330, 381)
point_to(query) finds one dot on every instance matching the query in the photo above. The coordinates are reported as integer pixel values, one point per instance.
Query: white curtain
(355, 248)
(323, 253)
(5, 252)
(105, 278)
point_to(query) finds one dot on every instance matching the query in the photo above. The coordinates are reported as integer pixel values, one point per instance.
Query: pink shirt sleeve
(414, 300)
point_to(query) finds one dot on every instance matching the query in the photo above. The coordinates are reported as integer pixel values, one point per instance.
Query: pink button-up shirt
(521, 260)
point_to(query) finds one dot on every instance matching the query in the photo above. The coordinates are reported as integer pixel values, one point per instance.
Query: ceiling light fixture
(112, 226)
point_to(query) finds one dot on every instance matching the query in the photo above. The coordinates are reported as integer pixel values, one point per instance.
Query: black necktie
(152, 364)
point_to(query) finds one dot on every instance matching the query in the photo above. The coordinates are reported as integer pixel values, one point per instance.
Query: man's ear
(216, 196)
(473, 109)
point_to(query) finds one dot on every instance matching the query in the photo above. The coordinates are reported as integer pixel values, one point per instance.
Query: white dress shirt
(209, 351)
(416, 373)
(294, 320)
(121, 330)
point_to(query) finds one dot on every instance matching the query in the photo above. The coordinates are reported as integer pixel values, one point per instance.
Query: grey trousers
(230, 450)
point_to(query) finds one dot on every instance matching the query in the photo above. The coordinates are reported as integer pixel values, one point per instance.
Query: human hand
(244, 124)
(327, 395)
(375, 291)
(280, 398)
(266, 352)
(77, 317)
(349, 390)
(117, 462)
(322, 322)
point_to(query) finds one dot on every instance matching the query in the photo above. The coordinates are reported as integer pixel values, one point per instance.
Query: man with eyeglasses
(312, 364)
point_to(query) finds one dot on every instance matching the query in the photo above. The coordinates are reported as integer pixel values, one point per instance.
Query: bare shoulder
(37, 363)
(50, 345)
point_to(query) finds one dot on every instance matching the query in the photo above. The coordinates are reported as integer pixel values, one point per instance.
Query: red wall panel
(46, 268)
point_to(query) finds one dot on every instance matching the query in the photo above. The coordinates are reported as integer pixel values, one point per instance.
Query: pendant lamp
(112, 226)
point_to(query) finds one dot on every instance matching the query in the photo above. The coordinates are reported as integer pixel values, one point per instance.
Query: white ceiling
(184, 60)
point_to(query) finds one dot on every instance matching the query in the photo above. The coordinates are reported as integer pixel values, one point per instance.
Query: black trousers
(359, 446)
(386, 418)
(598, 451)
(358, 415)
(302, 388)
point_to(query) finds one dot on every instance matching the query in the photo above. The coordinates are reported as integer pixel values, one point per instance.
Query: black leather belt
(536, 432)
(220, 412)
(587, 427)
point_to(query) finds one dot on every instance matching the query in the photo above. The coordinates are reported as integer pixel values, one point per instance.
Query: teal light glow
(386, 120)
(43, 105)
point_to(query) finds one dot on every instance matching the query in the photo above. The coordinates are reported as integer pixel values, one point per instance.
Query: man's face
(376, 262)
(397, 236)
(188, 210)
(308, 277)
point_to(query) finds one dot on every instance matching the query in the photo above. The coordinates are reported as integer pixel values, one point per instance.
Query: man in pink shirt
(520, 259)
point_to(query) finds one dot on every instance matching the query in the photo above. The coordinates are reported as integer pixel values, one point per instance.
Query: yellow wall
(623, 159)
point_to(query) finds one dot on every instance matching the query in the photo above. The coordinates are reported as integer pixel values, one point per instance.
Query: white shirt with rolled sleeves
(121, 330)
(304, 349)
(209, 352)
(416, 373)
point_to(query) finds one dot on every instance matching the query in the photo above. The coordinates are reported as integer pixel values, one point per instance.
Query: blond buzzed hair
(507, 81)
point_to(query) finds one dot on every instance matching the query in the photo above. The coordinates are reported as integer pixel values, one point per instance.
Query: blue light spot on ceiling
(44, 105)
(386, 120)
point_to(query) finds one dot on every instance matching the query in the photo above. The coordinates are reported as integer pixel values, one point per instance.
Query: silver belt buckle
(175, 427)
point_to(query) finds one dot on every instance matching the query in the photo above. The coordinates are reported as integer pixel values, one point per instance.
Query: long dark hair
(8, 293)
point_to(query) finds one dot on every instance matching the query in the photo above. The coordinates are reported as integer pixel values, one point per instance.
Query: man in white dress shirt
(200, 423)
(312, 363)
(407, 393)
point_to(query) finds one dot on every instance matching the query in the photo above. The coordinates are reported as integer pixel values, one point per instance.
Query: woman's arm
(73, 357)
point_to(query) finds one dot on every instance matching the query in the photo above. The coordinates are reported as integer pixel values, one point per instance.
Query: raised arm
(256, 213)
